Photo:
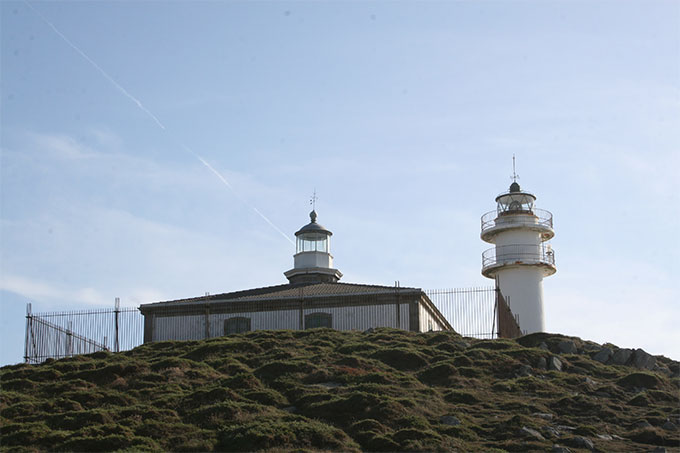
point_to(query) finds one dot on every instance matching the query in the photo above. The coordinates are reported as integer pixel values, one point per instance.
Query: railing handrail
(537, 253)
(544, 218)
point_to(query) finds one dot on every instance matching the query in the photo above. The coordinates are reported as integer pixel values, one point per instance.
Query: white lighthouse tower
(521, 256)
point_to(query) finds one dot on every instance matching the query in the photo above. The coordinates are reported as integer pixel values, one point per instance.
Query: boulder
(603, 355)
(542, 364)
(643, 361)
(449, 420)
(642, 424)
(580, 442)
(590, 347)
(532, 433)
(567, 347)
(621, 356)
(555, 364)
(669, 426)
(589, 381)
(523, 371)
(559, 449)
(549, 431)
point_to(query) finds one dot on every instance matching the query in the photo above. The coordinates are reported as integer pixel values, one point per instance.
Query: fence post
(496, 315)
(302, 308)
(116, 313)
(207, 321)
(69, 339)
(29, 320)
(398, 294)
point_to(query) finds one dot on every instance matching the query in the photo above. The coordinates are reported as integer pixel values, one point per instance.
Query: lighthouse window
(238, 324)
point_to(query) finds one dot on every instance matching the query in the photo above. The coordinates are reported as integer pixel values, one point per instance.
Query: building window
(314, 320)
(236, 325)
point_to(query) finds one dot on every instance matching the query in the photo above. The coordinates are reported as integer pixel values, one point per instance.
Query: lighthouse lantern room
(521, 255)
(313, 261)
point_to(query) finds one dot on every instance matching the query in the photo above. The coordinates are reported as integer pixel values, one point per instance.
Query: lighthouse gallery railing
(538, 217)
(518, 253)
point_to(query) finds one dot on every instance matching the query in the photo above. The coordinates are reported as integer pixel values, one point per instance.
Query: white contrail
(226, 183)
(272, 225)
(139, 104)
(89, 60)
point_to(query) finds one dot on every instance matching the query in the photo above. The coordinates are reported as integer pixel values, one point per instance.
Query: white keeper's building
(313, 297)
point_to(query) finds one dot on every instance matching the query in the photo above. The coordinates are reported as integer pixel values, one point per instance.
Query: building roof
(290, 291)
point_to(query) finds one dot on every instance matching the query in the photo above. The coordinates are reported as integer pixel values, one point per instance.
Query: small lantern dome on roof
(313, 260)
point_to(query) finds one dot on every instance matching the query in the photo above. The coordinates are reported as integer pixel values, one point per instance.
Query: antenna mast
(515, 176)
(313, 199)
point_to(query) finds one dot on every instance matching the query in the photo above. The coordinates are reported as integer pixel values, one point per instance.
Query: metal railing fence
(68, 333)
(472, 312)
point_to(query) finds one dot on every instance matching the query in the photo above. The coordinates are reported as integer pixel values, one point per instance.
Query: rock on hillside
(383, 390)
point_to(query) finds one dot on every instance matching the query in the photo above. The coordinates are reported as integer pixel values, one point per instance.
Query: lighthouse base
(522, 288)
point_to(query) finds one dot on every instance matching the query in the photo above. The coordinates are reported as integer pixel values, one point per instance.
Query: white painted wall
(304, 260)
(517, 236)
(523, 289)
(260, 320)
(427, 321)
(192, 327)
(362, 318)
(179, 328)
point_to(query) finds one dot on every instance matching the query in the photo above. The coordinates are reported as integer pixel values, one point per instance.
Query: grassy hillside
(384, 390)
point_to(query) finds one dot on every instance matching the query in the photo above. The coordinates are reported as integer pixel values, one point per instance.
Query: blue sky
(403, 116)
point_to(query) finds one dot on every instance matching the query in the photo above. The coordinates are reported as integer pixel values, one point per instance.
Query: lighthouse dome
(313, 227)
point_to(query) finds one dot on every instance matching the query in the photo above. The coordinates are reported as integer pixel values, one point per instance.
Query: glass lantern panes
(514, 203)
(313, 242)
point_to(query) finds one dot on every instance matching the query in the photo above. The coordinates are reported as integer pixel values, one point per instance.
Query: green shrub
(267, 397)
(438, 374)
(640, 379)
(207, 396)
(400, 358)
(460, 397)
(75, 420)
(274, 434)
(272, 370)
(111, 442)
(368, 424)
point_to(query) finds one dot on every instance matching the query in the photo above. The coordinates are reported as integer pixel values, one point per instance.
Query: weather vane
(515, 176)
(313, 199)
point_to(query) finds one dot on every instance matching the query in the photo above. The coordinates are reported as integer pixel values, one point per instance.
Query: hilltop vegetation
(383, 390)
